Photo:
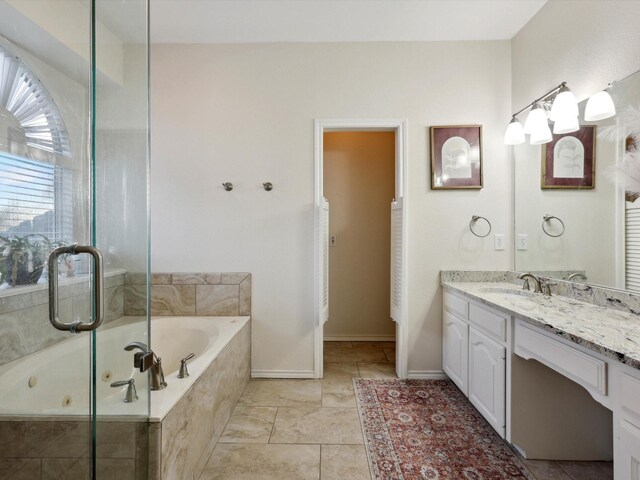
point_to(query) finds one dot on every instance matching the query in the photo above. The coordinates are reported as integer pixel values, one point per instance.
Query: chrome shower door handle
(98, 288)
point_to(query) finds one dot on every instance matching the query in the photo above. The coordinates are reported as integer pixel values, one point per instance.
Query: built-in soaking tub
(49, 390)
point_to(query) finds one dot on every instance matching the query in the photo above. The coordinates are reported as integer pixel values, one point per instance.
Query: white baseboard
(282, 374)
(426, 375)
(359, 338)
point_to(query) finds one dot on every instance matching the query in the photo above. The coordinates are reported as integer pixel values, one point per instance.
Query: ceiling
(257, 21)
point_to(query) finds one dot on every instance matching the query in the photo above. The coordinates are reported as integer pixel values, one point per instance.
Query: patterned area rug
(427, 429)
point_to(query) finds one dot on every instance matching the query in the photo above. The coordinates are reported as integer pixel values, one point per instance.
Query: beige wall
(359, 182)
(244, 114)
(588, 44)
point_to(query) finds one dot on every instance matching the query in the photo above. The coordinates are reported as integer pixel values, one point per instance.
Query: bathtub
(54, 381)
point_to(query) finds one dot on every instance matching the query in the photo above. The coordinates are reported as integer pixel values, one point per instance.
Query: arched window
(35, 188)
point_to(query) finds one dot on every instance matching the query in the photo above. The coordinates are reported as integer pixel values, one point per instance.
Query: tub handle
(98, 288)
(184, 371)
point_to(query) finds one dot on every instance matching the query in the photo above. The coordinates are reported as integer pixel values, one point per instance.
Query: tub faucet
(528, 276)
(131, 395)
(145, 360)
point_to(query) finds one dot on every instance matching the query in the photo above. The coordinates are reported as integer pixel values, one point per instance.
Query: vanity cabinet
(627, 427)
(487, 378)
(474, 355)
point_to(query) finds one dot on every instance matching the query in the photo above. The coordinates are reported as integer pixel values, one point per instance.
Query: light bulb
(564, 105)
(599, 106)
(540, 136)
(515, 133)
(536, 119)
(566, 125)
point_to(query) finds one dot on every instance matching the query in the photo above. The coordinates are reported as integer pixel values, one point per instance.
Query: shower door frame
(399, 126)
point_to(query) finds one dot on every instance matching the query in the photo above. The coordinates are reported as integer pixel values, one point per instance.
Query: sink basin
(510, 291)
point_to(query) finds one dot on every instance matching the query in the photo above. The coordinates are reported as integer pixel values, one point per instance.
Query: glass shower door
(73, 170)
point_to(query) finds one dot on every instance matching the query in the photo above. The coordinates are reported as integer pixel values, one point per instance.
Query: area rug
(427, 429)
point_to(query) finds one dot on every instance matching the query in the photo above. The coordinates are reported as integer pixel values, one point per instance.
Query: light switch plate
(498, 241)
(522, 241)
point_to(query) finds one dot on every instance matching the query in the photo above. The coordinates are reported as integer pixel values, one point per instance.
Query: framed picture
(456, 157)
(569, 160)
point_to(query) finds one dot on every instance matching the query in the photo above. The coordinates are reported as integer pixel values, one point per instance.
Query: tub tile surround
(604, 320)
(186, 437)
(214, 293)
(24, 316)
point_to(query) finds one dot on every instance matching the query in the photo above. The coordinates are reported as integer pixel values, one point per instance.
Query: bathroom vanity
(558, 377)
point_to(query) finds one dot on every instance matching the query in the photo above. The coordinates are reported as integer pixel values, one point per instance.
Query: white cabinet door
(455, 350)
(627, 451)
(487, 378)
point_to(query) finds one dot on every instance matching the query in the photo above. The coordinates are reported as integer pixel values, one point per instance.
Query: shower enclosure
(74, 169)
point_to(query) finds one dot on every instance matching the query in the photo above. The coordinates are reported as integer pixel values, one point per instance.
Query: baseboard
(359, 338)
(426, 375)
(282, 374)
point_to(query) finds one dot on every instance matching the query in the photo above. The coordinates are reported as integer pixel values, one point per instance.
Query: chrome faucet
(576, 275)
(184, 371)
(546, 287)
(536, 281)
(146, 359)
(131, 395)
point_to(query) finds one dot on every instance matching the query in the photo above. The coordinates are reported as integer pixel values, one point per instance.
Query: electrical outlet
(522, 241)
(498, 241)
(332, 241)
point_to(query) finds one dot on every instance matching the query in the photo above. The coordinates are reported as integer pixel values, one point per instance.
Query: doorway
(360, 246)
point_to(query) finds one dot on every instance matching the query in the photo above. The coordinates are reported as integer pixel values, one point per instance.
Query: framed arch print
(569, 160)
(456, 157)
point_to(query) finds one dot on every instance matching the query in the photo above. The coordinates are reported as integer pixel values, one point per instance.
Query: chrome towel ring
(548, 218)
(472, 224)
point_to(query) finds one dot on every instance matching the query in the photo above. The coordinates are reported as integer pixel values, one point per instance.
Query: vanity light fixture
(515, 133)
(541, 136)
(599, 106)
(564, 105)
(566, 125)
(536, 120)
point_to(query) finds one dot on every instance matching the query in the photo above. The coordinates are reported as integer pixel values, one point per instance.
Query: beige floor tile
(344, 462)
(588, 470)
(340, 370)
(249, 425)
(282, 393)
(377, 370)
(339, 399)
(317, 425)
(390, 353)
(546, 470)
(357, 353)
(263, 462)
(337, 344)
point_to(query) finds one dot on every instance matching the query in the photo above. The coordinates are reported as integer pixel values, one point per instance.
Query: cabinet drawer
(456, 305)
(630, 396)
(490, 323)
(588, 371)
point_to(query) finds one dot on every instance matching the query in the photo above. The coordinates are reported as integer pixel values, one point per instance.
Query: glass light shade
(599, 106)
(566, 125)
(564, 105)
(514, 134)
(536, 120)
(540, 136)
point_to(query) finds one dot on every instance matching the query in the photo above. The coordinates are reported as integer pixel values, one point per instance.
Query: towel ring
(548, 218)
(472, 223)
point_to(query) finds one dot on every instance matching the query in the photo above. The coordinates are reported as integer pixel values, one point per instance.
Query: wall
(359, 182)
(588, 50)
(244, 113)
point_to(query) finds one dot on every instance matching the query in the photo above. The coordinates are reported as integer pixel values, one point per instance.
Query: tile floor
(309, 429)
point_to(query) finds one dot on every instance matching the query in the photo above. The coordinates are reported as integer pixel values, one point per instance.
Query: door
(455, 350)
(627, 451)
(396, 260)
(324, 242)
(73, 230)
(487, 378)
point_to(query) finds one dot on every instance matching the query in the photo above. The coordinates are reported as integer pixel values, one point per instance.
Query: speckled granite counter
(610, 332)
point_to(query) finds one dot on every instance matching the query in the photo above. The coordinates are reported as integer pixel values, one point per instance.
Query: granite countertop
(612, 333)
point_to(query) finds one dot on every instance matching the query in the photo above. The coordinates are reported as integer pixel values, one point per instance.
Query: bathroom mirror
(582, 220)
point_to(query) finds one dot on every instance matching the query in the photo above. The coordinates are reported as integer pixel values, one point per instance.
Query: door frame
(398, 126)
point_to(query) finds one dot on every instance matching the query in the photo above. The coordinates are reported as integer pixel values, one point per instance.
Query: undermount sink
(510, 291)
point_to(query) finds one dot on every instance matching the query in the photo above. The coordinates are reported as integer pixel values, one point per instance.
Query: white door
(487, 378)
(396, 260)
(455, 350)
(627, 451)
(324, 241)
